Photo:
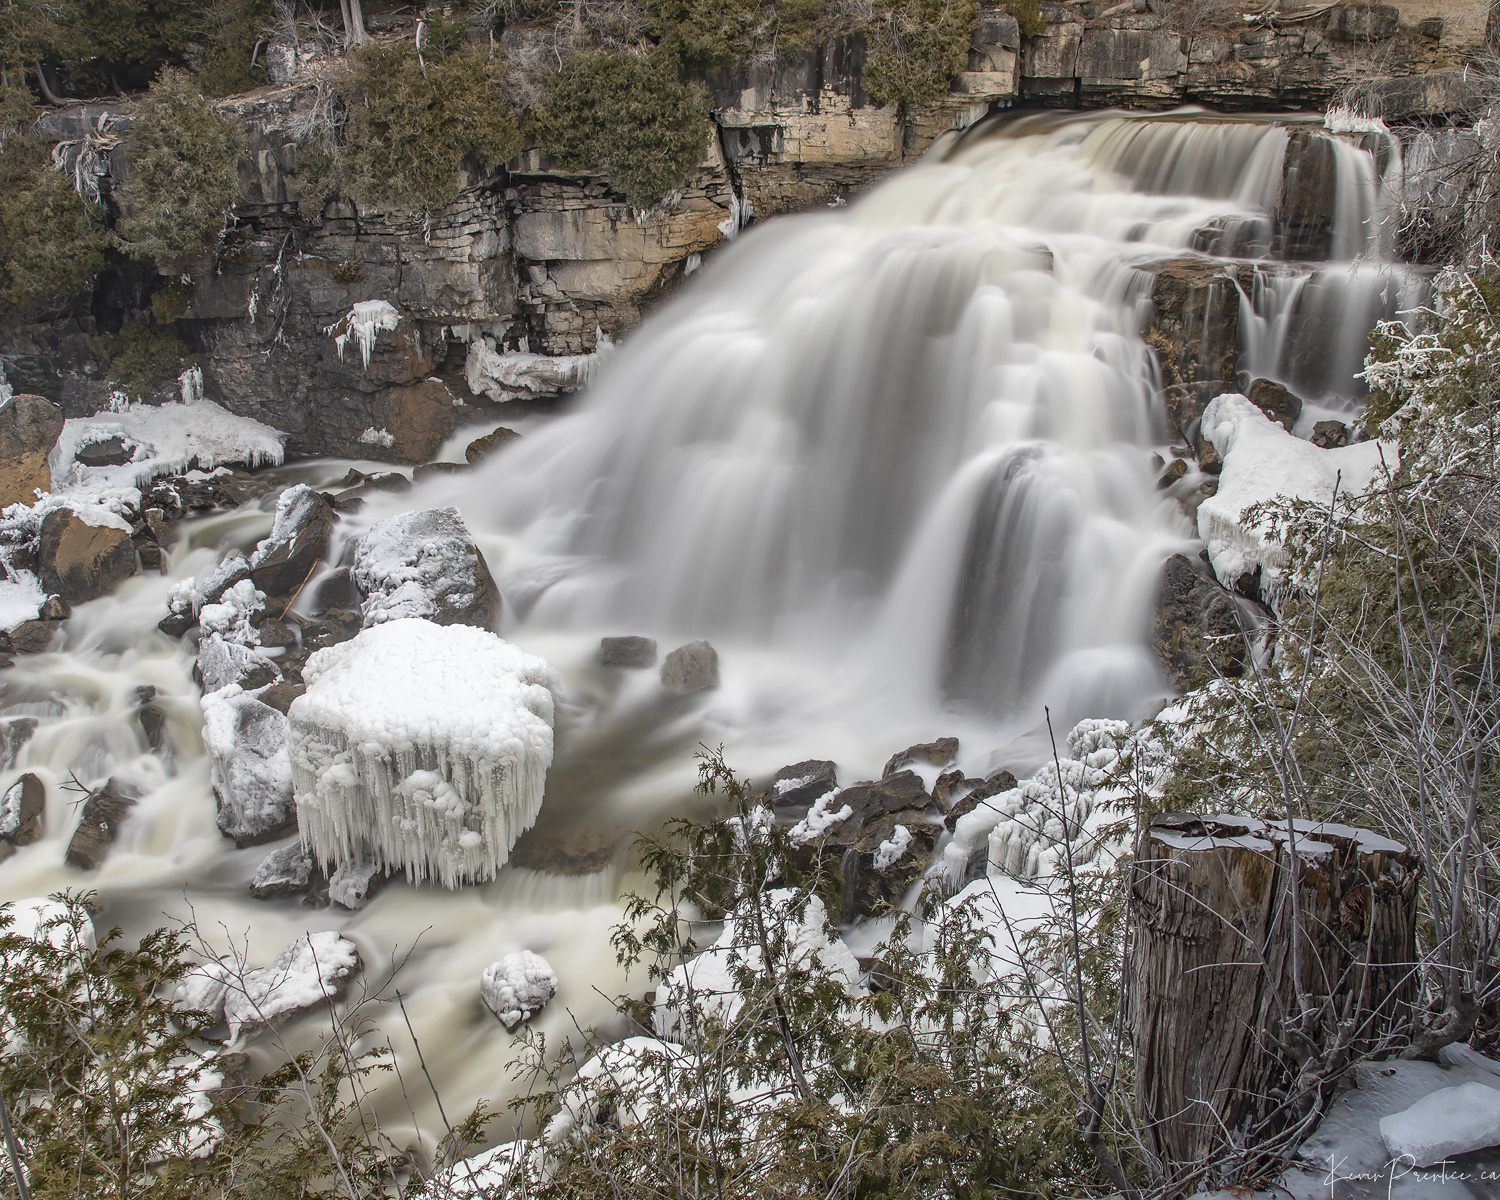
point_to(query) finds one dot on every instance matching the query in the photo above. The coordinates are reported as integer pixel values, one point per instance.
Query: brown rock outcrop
(29, 426)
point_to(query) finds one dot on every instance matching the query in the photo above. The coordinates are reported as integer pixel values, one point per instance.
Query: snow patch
(821, 817)
(889, 852)
(378, 437)
(422, 747)
(1454, 1120)
(21, 597)
(1263, 463)
(47, 920)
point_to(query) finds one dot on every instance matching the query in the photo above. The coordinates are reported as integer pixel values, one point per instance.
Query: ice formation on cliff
(503, 376)
(421, 747)
(361, 324)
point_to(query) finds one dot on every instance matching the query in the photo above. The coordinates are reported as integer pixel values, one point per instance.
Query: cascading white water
(893, 459)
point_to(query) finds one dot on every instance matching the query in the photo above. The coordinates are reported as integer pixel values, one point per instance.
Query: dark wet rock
(482, 448)
(299, 539)
(99, 825)
(1195, 629)
(111, 452)
(22, 810)
(1330, 435)
(428, 470)
(803, 783)
(627, 652)
(34, 637)
(379, 481)
(691, 668)
(15, 732)
(1193, 331)
(276, 634)
(876, 797)
(974, 793)
(280, 695)
(1174, 470)
(287, 871)
(891, 853)
(336, 590)
(78, 561)
(1273, 399)
(54, 608)
(424, 564)
(933, 754)
(152, 716)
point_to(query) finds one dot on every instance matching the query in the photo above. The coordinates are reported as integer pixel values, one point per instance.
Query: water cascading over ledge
(912, 437)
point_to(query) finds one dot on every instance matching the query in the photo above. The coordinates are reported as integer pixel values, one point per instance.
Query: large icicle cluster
(421, 747)
(361, 324)
(1024, 830)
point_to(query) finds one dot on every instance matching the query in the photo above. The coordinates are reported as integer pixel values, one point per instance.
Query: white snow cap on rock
(361, 324)
(294, 509)
(508, 376)
(311, 969)
(422, 747)
(1264, 463)
(167, 440)
(1454, 1120)
(517, 986)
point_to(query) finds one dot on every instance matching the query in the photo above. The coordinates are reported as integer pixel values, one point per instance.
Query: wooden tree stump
(1233, 1046)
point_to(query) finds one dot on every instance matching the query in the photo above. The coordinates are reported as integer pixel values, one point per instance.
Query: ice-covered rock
(507, 376)
(249, 766)
(315, 967)
(517, 986)
(424, 564)
(423, 748)
(232, 614)
(808, 945)
(352, 885)
(204, 988)
(1452, 1121)
(1264, 463)
(299, 538)
(22, 809)
(283, 872)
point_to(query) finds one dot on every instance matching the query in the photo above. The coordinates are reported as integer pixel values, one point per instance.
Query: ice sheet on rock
(712, 974)
(21, 596)
(350, 886)
(310, 970)
(92, 501)
(361, 324)
(45, 917)
(1454, 1120)
(249, 766)
(423, 564)
(1264, 463)
(168, 440)
(224, 663)
(421, 747)
(283, 871)
(231, 618)
(517, 986)
(508, 376)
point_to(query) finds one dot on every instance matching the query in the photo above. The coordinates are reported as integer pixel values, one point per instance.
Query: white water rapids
(893, 460)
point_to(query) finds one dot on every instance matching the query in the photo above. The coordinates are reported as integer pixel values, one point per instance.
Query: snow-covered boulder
(1264, 463)
(283, 872)
(517, 986)
(249, 766)
(1452, 1121)
(314, 968)
(299, 538)
(423, 748)
(424, 564)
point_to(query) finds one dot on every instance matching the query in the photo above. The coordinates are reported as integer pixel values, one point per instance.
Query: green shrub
(230, 31)
(410, 128)
(711, 33)
(183, 175)
(1028, 15)
(141, 357)
(50, 239)
(919, 46)
(629, 117)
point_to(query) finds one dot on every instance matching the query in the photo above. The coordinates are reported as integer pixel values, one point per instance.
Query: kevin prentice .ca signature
(1405, 1167)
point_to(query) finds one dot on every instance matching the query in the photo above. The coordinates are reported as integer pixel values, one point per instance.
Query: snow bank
(310, 970)
(1452, 1121)
(422, 747)
(517, 986)
(361, 324)
(712, 974)
(509, 376)
(1263, 463)
(164, 439)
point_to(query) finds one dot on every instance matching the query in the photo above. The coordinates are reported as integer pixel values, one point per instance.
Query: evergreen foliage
(712, 33)
(919, 46)
(629, 117)
(142, 357)
(183, 172)
(413, 122)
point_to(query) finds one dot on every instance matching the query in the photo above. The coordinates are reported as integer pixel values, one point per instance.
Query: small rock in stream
(284, 872)
(99, 825)
(691, 668)
(627, 652)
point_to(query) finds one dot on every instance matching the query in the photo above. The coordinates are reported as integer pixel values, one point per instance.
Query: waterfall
(894, 459)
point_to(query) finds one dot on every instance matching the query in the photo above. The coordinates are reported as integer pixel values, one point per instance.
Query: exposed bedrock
(533, 259)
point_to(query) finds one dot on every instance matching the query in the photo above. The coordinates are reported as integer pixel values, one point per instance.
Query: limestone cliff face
(536, 259)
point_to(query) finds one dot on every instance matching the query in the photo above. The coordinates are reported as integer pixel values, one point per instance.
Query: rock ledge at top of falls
(423, 748)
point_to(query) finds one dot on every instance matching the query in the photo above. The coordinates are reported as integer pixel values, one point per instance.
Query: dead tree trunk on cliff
(1249, 997)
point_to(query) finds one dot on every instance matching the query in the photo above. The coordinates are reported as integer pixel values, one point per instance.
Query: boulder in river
(691, 668)
(285, 871)
(627, 652)
(1330, 435)
(482, 448)
(933, 754)
(516, 987)
(29, 426)
(299, 539)
(79, 561)
(99, 825)
(22, 809)
(1273, 399)
(804, 782)
(424, 564)
(315, 968)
